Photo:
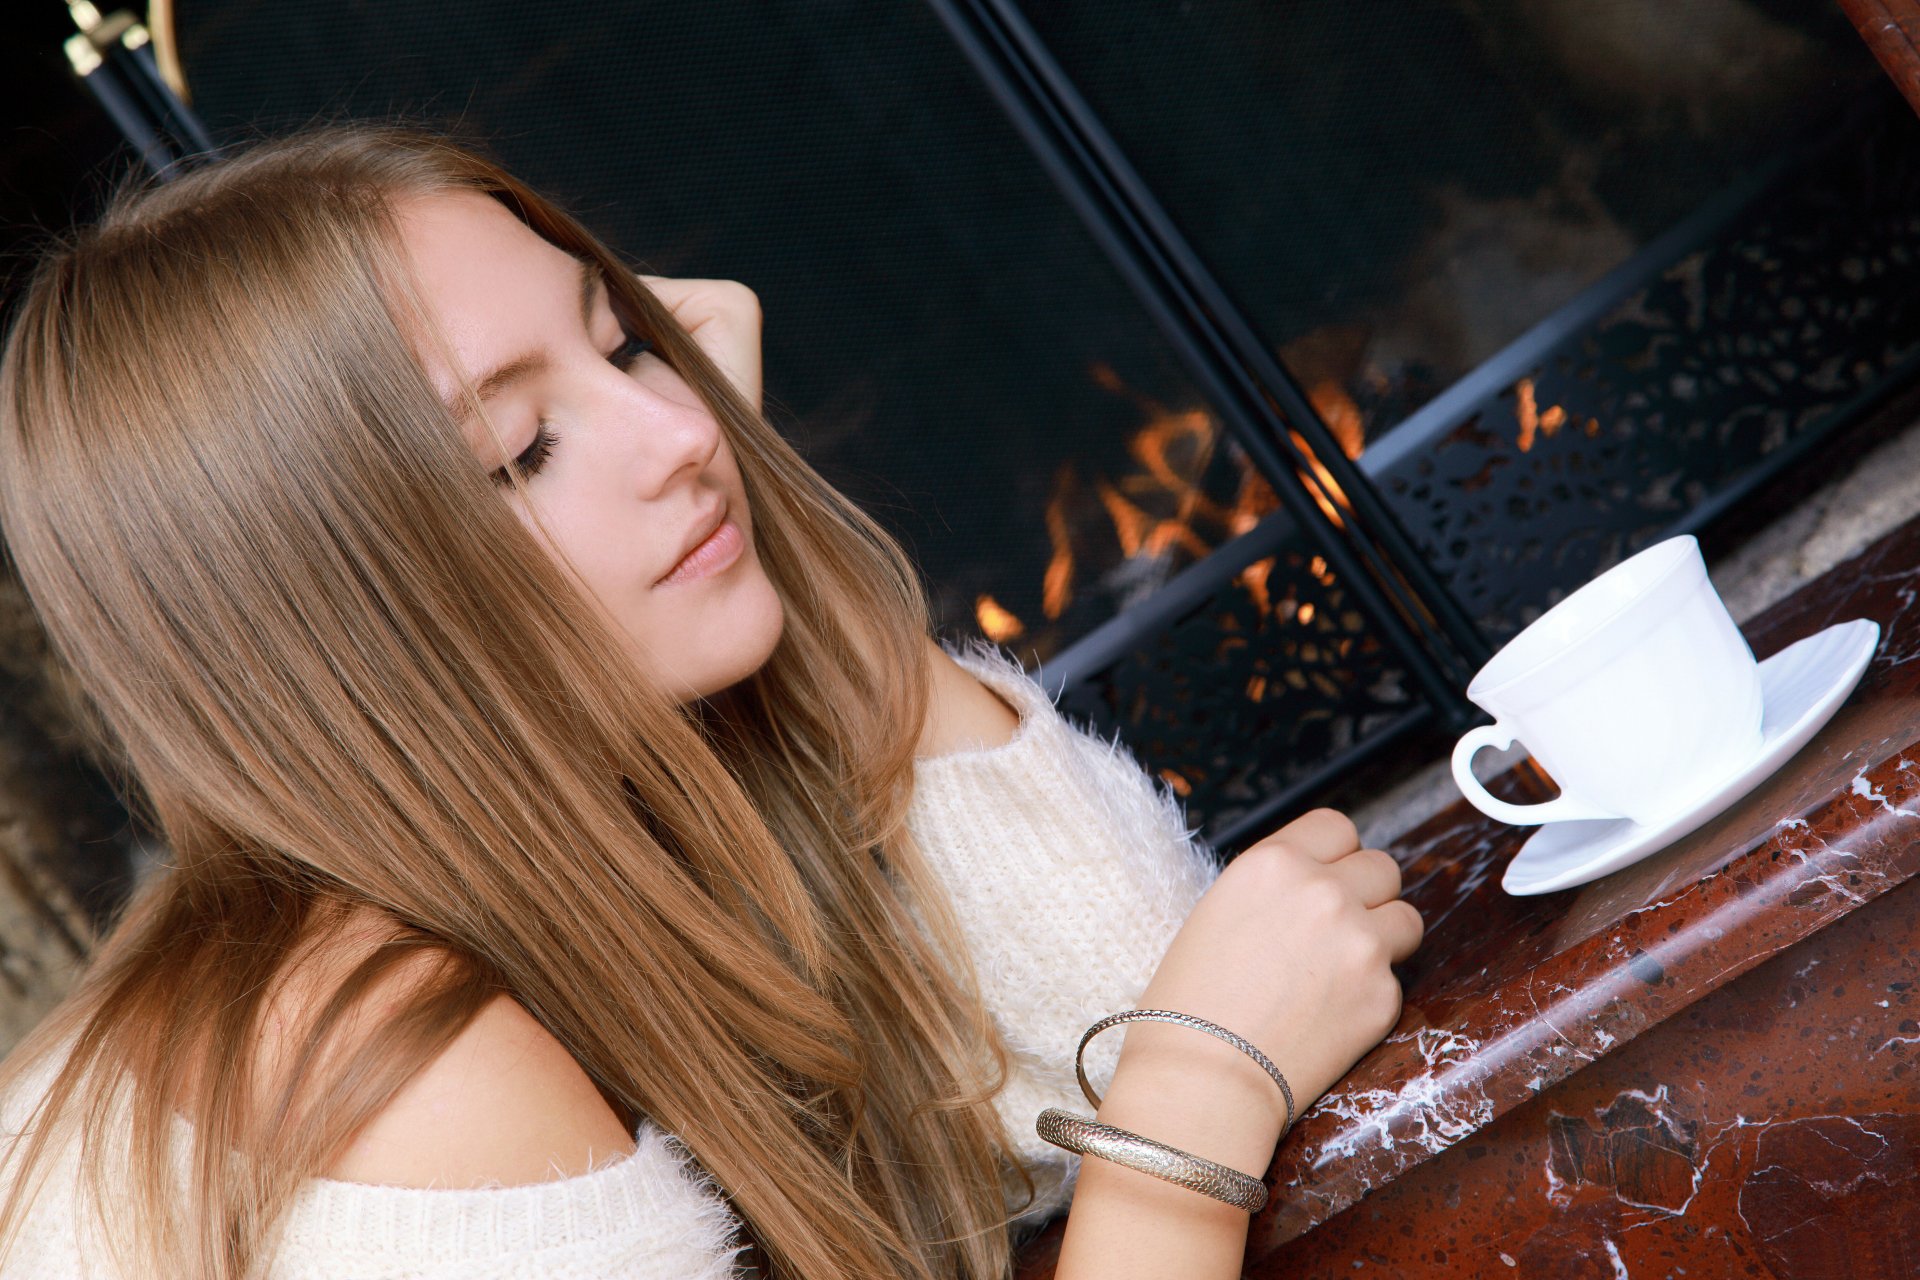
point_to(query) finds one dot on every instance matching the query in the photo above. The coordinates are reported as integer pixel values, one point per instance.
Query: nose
(669, 435)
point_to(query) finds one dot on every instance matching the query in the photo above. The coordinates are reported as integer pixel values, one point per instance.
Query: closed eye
(535, 455)
(629, 351)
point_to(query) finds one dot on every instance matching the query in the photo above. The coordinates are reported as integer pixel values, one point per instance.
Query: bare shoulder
(964, 713)
(504, 1103)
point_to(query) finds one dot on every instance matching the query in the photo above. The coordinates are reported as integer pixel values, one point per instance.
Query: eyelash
(535, 455)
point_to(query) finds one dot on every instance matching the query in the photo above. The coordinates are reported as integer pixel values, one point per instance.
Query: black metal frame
(1488, 382)
(114, 59)
(1191, 590)
(1259, 404)
(1485, 384)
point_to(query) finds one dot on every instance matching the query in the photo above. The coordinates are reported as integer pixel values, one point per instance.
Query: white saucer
(1801, 687)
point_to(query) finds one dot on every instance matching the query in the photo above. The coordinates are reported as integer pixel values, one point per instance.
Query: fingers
(729, 297)
(1371, 873)
(723, 317)
(1323, 834)
(1400, 925)
(1375, 877)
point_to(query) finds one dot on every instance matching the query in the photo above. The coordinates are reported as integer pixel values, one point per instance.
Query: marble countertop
(1510, 995)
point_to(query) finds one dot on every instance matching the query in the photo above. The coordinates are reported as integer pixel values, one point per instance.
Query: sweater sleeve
(651, 1215)
(1071, 870)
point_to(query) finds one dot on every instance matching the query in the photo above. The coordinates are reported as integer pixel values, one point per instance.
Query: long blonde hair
(343, 675)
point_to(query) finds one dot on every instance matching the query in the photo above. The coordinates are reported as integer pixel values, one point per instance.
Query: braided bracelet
(1170, 1164)
(1184, 1020)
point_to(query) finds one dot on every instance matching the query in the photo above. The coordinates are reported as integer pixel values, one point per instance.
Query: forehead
(491, 284)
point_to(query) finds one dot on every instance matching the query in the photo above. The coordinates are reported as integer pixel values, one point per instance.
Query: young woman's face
(625, 465)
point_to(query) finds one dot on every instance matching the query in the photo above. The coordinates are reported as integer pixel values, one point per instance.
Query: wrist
(1208, 1099)
(1194, 1064)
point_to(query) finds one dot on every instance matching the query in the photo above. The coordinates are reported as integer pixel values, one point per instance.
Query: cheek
(695, 643)
(597, 537)
(612, 564)
(690, 642)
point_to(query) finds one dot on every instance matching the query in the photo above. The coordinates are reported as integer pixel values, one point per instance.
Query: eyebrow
(519, 367)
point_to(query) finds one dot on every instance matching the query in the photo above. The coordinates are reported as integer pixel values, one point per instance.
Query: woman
(582, 859)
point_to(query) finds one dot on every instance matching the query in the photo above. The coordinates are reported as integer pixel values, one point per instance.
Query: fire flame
(1160, 507)
(1057, 586)
(1342, 416)
(1532, 421)
(1540, 422)
(1320, 483)
(996, 623)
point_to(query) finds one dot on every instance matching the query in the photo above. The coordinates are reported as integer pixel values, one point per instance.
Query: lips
(703, 529)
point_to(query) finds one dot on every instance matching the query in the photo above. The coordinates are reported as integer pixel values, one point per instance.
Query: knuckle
(1269, 855)
(1390, 867)
(744, 294)
(1406, 923)
(1273, 852)
(1265, 844)
(1419, 921)
(1336, 823)
(1262, 868)
(1369, 952)
(1320, 898)
(1387, 1003)
(1324, 833)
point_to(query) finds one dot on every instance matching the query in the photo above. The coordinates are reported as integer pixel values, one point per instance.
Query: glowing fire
(1320, 483)
(1160, 507)
(1540, 422)
(1342, 416)
(1057, 585)
(996, 623)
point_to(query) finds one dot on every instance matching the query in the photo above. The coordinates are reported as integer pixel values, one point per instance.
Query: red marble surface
(1509, 997)
(1770, 1129)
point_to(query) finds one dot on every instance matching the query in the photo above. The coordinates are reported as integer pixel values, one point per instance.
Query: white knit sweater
(1070, 869)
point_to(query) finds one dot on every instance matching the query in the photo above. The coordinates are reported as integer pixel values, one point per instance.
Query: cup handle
(1561, 807)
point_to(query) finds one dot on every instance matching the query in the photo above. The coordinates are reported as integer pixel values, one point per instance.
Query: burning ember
(1160, 511)
(1535, 422)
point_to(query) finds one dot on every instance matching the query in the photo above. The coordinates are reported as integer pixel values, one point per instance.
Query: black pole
(1258, 401)
(113, 57)
(1377, 521)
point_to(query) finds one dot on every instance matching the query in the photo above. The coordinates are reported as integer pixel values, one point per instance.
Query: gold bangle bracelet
(1170, 1164)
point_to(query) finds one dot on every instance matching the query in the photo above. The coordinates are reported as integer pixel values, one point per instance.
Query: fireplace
(1654, 402)
(1249, 371)
(1533, 388)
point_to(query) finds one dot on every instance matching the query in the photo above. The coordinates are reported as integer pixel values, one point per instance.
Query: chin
(748, 635)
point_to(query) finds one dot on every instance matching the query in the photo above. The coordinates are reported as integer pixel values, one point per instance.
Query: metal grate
(1647, 407)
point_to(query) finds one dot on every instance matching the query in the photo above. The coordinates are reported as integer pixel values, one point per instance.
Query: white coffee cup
(1636, 693)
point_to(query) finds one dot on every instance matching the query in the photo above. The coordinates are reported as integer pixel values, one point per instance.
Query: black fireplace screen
(1651, 404)
(1551, 279)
